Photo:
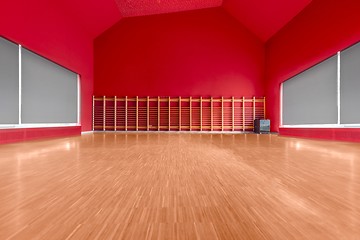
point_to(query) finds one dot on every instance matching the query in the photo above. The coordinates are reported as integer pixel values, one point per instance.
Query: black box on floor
(261, 125)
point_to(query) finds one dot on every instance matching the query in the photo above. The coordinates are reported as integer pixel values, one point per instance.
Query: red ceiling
(94, 16)
(131, 8)
(264, 17)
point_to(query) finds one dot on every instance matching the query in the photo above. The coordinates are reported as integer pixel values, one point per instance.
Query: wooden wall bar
(176, 113)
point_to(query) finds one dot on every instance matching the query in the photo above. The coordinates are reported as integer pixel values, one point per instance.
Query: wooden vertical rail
(179, 113)
(147, 114)
(93, 127)
(232, 114)
(243, 112)
(248, 114)
(264, 109)
(190, 107)
(169, 100)
(201, 114)
(222, 113)
(137, 113)
(104, 113)
(211, 114)
(254, 112)
(115, 114)
(126, 112)
(158, 113)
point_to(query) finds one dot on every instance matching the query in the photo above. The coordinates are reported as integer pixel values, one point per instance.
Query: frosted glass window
(350, 85)
(49, 91)
(9, 82)
(311, 96)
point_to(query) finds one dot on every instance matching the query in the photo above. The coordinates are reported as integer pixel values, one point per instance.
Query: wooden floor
(179, 186)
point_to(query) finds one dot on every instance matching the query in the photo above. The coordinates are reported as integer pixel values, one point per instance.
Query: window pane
(311, 96)
(49, 91)
(9, 82)
(350, 85)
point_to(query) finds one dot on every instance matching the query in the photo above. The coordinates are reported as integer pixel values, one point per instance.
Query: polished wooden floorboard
(179, 186)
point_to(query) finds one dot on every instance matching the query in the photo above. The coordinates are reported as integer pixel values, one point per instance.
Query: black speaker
(261, 125)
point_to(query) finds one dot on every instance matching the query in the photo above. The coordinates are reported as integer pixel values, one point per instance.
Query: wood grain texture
(179, 186)
(176, 113)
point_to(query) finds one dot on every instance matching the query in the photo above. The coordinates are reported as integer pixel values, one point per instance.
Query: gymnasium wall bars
(176, 113)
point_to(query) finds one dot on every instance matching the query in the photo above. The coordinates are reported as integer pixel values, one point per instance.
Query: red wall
(25, 134)
(322, 29)
(203, 52)
(340, 134)
(44, 30)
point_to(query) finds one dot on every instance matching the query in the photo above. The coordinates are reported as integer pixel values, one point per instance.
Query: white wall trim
(20, 85)
(338, 88)
(37, 125)
(281, 103)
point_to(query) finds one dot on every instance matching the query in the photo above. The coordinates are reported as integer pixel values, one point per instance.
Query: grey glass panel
(311, 96)
(350, 85)
(49, 91)
(9, 82)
